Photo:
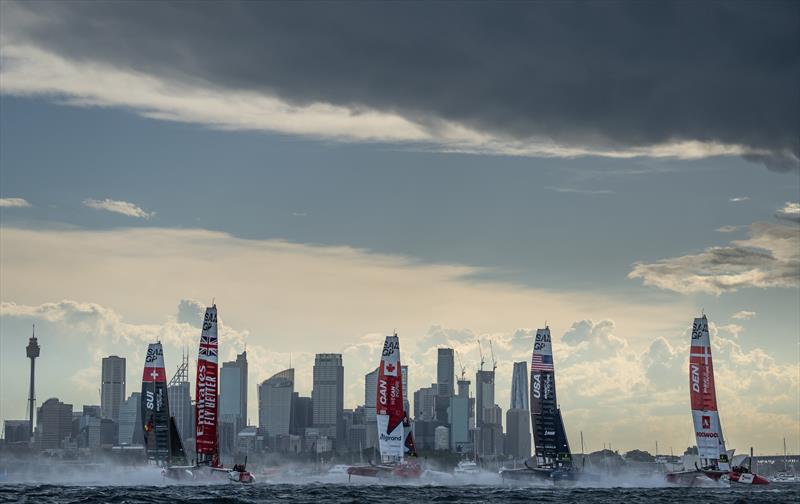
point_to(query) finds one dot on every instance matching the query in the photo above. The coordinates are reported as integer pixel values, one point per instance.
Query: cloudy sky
(330, 172)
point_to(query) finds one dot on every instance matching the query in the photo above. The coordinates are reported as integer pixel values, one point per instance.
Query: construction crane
(480, 350)
(494, 362)
(463, 369)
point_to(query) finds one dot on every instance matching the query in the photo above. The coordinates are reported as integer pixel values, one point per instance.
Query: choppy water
(339, 493)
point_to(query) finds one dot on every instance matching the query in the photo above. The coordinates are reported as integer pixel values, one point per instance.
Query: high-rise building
(328, 395)
(458, 413)
(370, 394)
(519, 386)
(53, 424)
(484, 394)
(425, 403)
(445, 372)
(302, 414)
(233, 393)
(130, 420)
(518, 433)
(17, 431)
(112, 388)
(463, 388)
(275, 396)
(491, 431)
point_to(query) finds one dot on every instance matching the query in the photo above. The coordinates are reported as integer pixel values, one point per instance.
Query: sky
(328, 173)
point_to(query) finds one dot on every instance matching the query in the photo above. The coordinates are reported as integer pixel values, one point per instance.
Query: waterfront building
(53, 424)
(130, 421)
(275, 396)
(112, 386)
(328, 395)
(233, 394)
(519, 386)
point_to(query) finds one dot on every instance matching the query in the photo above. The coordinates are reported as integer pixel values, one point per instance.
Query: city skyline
(560, 169)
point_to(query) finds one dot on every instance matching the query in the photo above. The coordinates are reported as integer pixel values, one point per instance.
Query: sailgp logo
(695, 372)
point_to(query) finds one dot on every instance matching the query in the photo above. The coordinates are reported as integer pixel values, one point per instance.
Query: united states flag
(542, 362)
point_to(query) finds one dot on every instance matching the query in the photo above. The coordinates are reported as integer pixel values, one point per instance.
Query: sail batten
(705, 416)
(550, 438)
(207, 391)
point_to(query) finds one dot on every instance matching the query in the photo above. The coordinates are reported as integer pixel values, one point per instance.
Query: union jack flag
(541, 362)
(208, 346)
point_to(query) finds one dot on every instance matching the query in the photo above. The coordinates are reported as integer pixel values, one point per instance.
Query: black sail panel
(177, 455)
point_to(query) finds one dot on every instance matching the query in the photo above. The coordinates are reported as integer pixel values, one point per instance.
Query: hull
(747, 478)
(695, 477)
(542, 474)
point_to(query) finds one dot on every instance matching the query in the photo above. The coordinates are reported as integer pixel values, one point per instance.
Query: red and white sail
(155, 405)
(707, 427)
(207, 391)
(389, 402)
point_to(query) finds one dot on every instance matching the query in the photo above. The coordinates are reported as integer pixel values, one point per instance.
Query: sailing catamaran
(395, 439)
(715, 459)
(207, 465)
(552, 459)
(162, 441)
(207, 404)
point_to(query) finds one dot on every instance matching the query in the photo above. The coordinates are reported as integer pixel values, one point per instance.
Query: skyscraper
(130, 420)
(518, 433)
(445, 372)
(484, 394)
(233, 393)
(328, 394)
(425, 403)
(53, 424)
(112, 389)
(370, 394)
(519, 386)
(275, 396)
(302, 414)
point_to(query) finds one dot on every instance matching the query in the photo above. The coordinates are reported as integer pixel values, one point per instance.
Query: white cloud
(280, 297)
(727, 229)
(737, 199)
(769, 257)
(117, 206)
(14, 203)
(30, 71)
(789, 212)
(743, 315)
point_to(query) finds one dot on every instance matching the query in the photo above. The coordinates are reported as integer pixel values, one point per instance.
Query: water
(342, 493)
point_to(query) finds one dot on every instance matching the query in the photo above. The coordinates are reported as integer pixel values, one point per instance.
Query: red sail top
(701, 369)
(207, 392)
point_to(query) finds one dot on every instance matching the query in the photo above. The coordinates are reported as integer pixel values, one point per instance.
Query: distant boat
(552, 459)
(395, 439)
(714, 458)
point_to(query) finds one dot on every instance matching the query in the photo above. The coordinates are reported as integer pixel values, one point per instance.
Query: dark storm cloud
(602, 74)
